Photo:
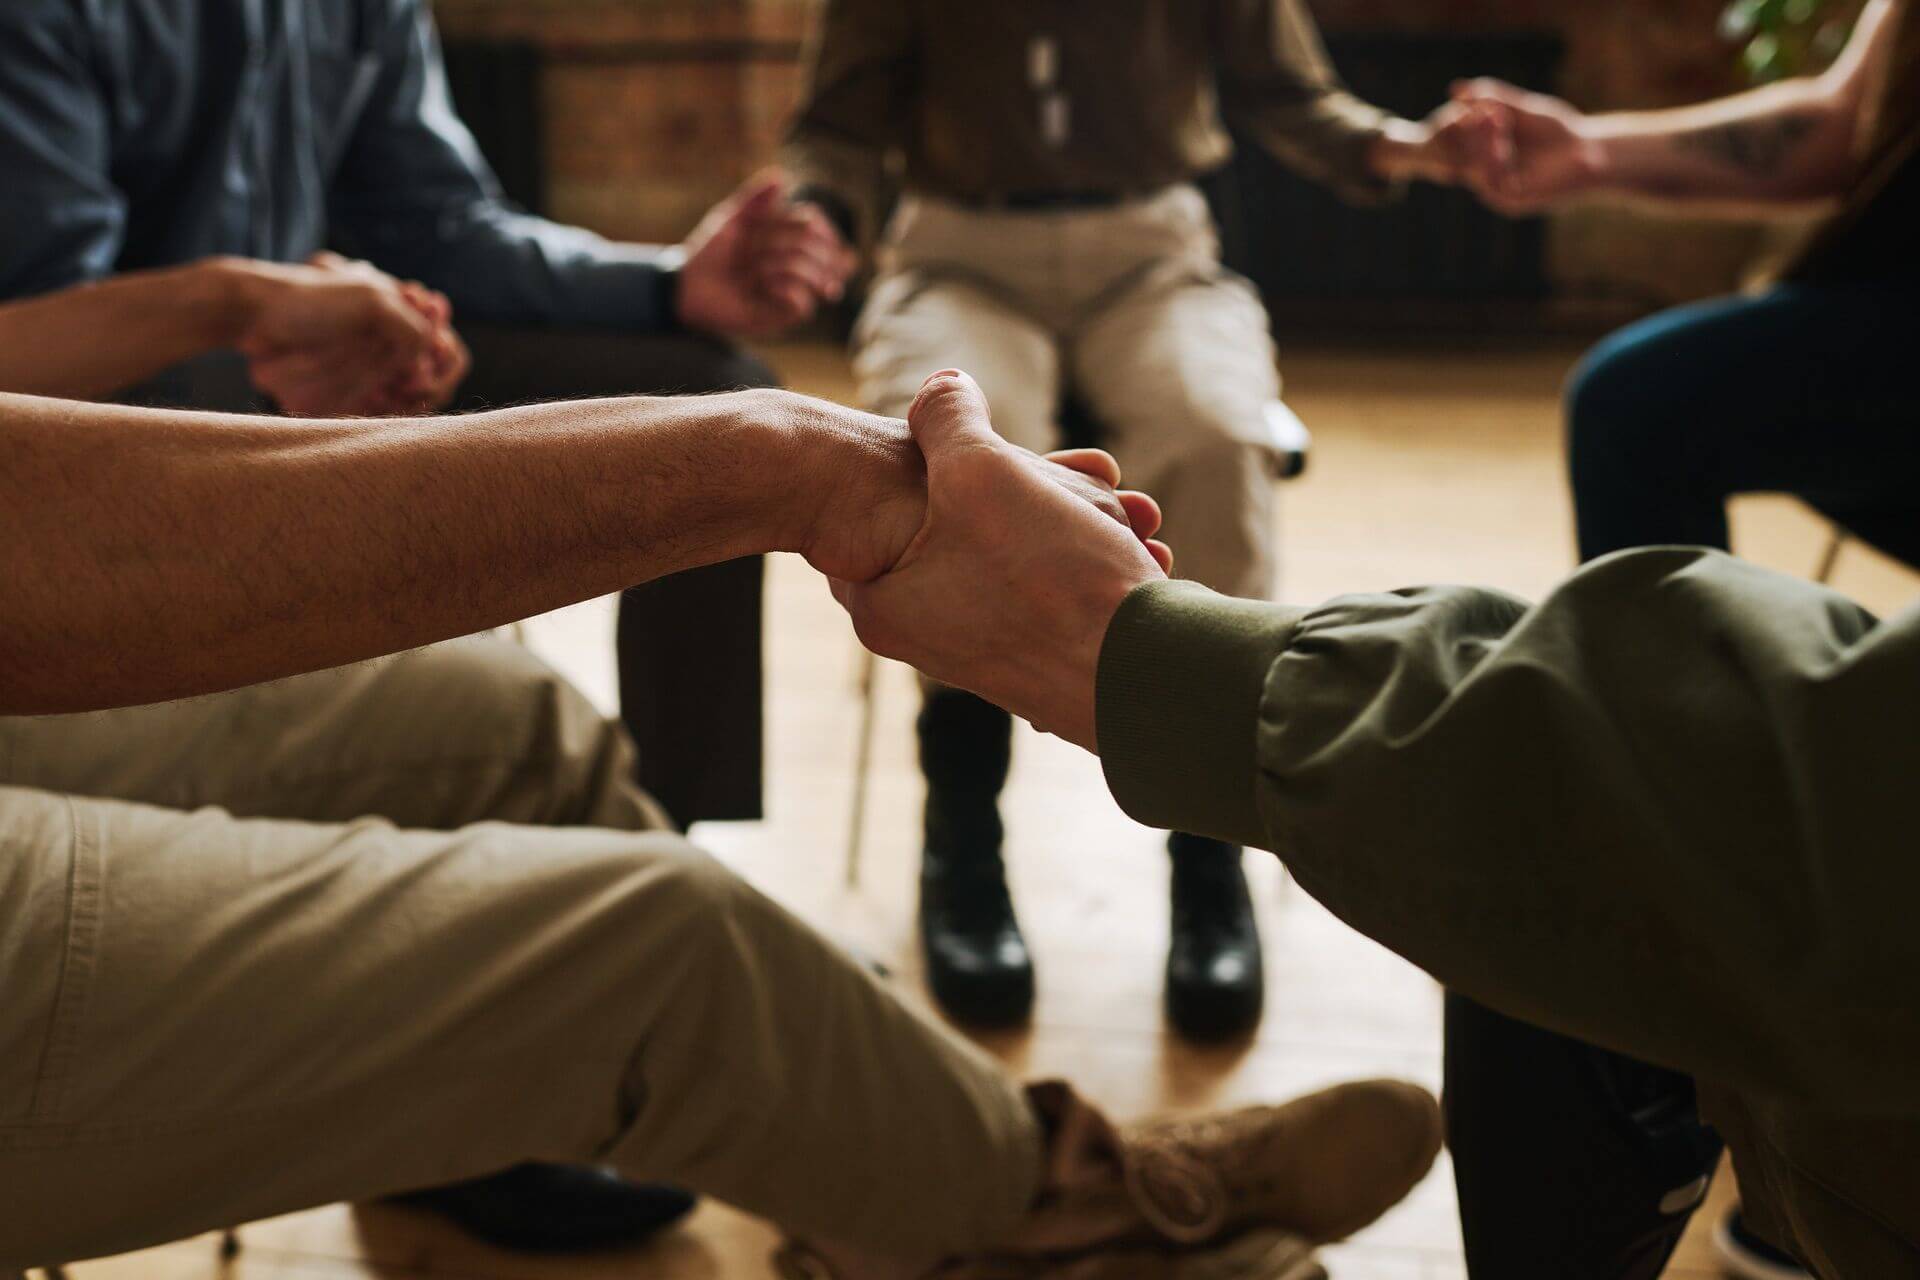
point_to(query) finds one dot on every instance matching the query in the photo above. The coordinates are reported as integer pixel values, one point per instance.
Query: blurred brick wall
(656, 108)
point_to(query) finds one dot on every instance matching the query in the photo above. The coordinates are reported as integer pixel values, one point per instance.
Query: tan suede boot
(1241, 1195)
(1261, 1254)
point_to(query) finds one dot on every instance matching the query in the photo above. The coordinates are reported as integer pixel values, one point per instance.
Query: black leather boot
(977, 962)
(550, 1208)
(1215, 982)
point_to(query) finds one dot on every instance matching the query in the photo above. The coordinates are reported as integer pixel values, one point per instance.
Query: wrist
(1601, 147)
(672, 262)
(227, 295)
(1401, 150)
(1069, 686)
(795, 455)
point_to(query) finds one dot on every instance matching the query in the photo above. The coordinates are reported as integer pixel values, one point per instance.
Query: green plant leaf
(1764, 59)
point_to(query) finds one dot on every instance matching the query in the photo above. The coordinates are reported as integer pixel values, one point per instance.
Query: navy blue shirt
(142, 133)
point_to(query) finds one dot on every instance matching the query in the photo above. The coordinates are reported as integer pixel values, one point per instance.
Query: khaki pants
(1129, 306)
(409, 922)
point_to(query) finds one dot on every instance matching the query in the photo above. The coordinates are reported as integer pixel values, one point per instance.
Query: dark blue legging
(1812, 390)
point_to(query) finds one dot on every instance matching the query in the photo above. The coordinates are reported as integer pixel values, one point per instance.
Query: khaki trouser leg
(211, 1018)
(1169, 349)
(917, 323)
(461, 732)
(1178, 364)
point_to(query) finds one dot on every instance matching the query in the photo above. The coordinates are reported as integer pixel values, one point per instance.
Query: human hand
(336, 338)
(756, 264)
(1018, 564)
(1456, 140)
(799, 259)
(1551, 155)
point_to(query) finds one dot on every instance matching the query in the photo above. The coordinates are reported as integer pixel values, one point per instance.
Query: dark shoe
(550, 1208)
(977, 962)
(1215, 983)
(1748, 1256)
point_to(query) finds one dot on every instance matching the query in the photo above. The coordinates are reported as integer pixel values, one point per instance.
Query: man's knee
(659, 880)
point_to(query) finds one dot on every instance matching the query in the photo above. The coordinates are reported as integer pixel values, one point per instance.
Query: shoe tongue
(1083, 1147)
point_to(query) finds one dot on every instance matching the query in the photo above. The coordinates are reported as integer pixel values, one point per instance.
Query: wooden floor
(1428, 466)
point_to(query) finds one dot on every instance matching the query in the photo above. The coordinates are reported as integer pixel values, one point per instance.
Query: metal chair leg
(862, 766)
(1831, 556)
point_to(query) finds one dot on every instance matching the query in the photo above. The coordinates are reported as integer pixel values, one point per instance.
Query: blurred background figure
(1051, 242)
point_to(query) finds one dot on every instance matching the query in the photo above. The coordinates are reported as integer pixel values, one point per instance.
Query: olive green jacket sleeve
(1279, 87)
(1671, 809)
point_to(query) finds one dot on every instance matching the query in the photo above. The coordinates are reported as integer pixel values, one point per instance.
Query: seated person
(408, 920)
(1050, 235)
(1798, 388)
(1666, 811)
(130, 141)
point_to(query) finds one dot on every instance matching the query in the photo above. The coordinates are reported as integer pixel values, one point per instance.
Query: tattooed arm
(1783, 148)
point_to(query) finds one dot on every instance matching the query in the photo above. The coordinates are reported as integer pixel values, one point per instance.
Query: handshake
(983, 565)
(1517, 150)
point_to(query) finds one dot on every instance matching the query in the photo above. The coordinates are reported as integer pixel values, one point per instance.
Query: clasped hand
(1006, 583)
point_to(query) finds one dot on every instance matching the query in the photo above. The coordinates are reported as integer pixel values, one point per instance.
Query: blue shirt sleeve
(414, 195)
(61, 219)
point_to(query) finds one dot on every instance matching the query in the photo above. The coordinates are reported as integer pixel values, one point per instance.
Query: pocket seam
(85, 894)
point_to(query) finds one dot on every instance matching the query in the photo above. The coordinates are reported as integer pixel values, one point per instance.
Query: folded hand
(336, 338)
(1017, 566)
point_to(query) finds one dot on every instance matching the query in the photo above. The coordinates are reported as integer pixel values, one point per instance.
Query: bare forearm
(1787, 144)
(153, 555)
(96, 338)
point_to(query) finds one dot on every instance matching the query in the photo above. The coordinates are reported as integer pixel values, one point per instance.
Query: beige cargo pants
(410, 922)
(1130, 307)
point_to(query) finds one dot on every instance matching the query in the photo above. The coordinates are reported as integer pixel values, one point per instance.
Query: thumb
(949, 414)
(761, 194)
(1483, 89)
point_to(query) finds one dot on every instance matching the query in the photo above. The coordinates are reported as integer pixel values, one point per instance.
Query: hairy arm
(150, 555)
(1783, 145)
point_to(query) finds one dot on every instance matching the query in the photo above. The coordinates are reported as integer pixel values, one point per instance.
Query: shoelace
(1189, 1198)
(1178, 1195)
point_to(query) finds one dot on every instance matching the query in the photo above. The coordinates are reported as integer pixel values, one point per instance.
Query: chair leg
(1831, 557)
(229, 1244)
(862, 767)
